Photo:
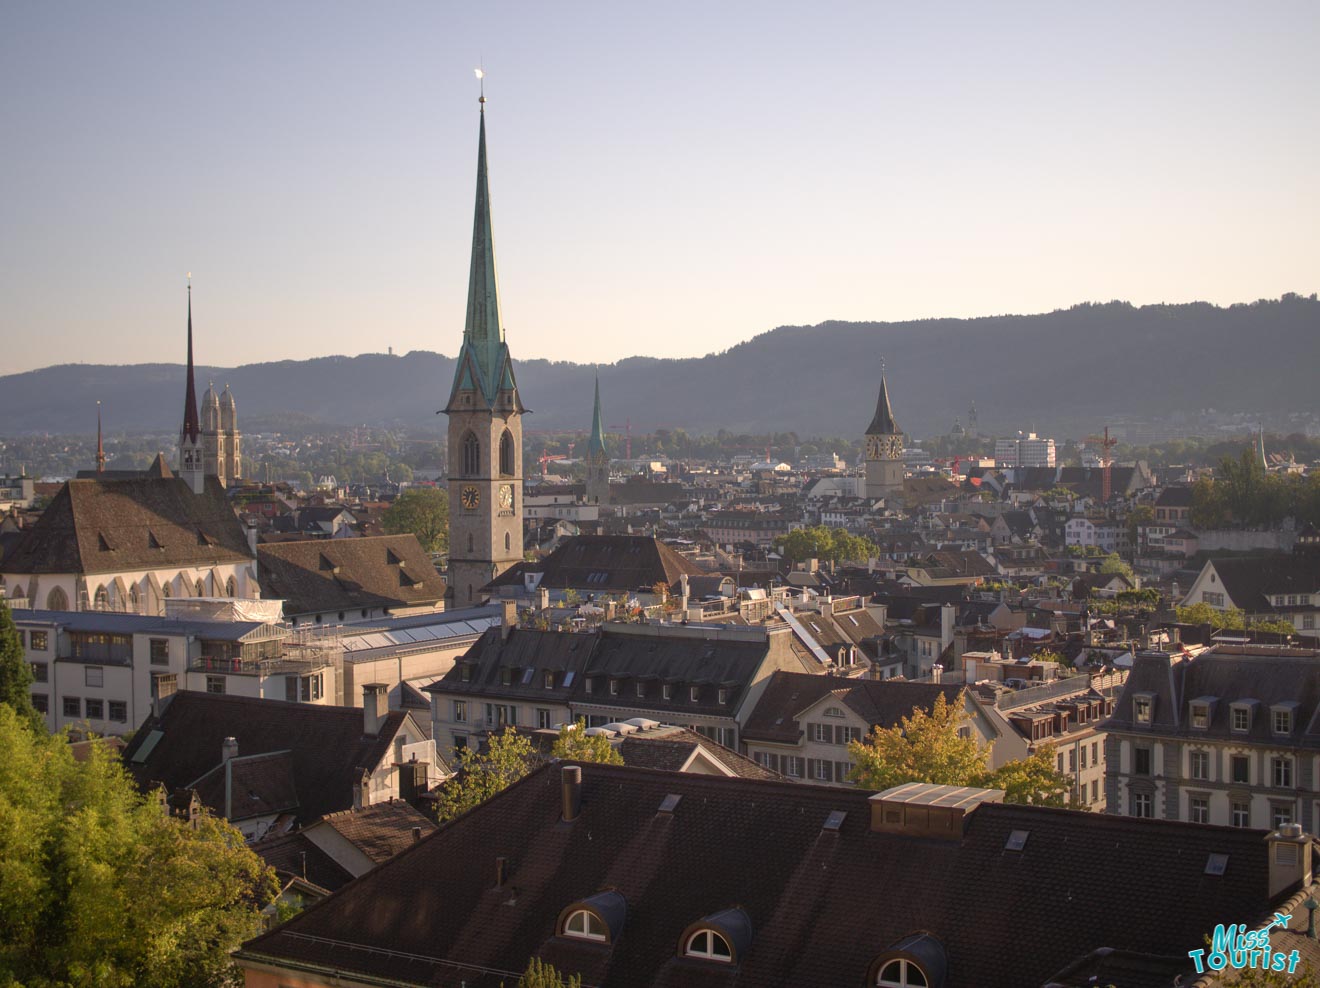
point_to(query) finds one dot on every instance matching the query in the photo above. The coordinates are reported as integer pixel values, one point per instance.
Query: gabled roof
(250, 786)
(434, 915)
(879, 703)
(348, 574)
(327, 745)
(105, 526)
(673, 749)
(294, 856)
(379, 831)
(1249, 581)
(606, 563)
(1178, 496)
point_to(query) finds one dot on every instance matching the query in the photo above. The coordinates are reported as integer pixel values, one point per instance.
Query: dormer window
(709, 945)
(641, 688)
(1200, 715)
(694, 693)
(506, 677)
(1240, 717)
(586, 925)
(722, 937)
(598, 918)
(1281, 717)
(724, 696)
(614, 687)
(465, 672)
(902, 973)
(1142, 705)
(548, 679)
(668, 691)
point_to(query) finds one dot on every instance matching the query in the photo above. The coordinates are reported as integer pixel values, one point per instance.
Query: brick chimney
(375, 707)
(228, 749)
(571, 787)
(1290, 858)
(508, 618)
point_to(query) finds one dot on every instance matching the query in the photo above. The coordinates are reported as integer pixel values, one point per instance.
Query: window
(231, 588)
(57, 600)
(584, 924)
(506, 454)
(312, 688)
(1281, 770)
(1060, 768)
(159, 650)
(1280, 816)
(724, 696)
(1200, 716)
(37, 641)
(459, 710)
(40, 672)
(471, 455)
(119, 711)
(641, 688)
(1282, 721)
(1213, 599)
(501, 715)
(506, 677)
(710, 945)
(1308, 622)
(215, 684)
(834, 712)
(1241, 719)
(41, 703)
(1241, 769)
(614, 687)
(1198, 809)
(548, 679)
(93, 676)
(792, 766)
(1142, 805)
(1083, 751)
(822, 770)
(1141, 709)
(1199, 762)
(1141, 761)
(95, 709)
(1095, 752)
(465, 672)
(542, 719)
(1095, 790)
(693, 693)
(822, 733)
(163, 685)
(901, 974)
(72, 706)
(1072, 761)
(291, 689)
(668, 691)
(1241, 814)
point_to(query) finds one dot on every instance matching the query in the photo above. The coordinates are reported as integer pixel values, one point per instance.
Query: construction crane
(627, 441)
(1105, 444)
(545, 458)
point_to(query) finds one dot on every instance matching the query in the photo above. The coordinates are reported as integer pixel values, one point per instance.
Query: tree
(1047, 655)
(539, 974)
(1114, 566)
(100, 886)
(1208, 509)
(423, 511)
(15, 673)
(1230, 619)
(508, 757)
(831, 545)
(1140, 515)
(928, 748)
(575, 745)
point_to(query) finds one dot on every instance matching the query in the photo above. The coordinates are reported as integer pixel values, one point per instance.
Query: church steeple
(192, 459)
(484, 365)
(883, 424)
(598, 457)
(191, 428)
(596, 444)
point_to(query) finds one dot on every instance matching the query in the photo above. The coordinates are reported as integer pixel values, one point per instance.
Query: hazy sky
(667, 179)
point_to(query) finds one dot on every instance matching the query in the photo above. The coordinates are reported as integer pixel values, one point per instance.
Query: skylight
(1017, 840)
(1216, 864)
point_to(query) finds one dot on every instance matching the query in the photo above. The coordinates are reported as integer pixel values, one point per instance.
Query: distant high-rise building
(485, 424)
(598, 457)
(1025, 450)
(884, 450)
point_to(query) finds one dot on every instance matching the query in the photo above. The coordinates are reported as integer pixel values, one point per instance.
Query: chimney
(508, 618)
(543, 599)
(417, 834)
(252, 539)
(228, 749)
(1290, 859)
(948, 620)
(936, 673)
(375, 707)
(572, 792)
(683, 593)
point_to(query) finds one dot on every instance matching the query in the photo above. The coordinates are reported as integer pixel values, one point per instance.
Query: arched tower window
(57, 600)
(471, 455)
(508, 542)
(470, 549)
(506, 454)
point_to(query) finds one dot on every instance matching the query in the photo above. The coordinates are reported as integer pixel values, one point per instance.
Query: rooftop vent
(924, 810)
(835, 820)
(1216, 864)
(642, 723)
(621, 728)
(670, 803)
(1017, 840)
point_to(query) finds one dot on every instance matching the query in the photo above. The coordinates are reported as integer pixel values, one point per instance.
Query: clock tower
(485, 425)
(884, 451)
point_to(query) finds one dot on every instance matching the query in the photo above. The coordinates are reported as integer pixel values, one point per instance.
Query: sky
(666, 179)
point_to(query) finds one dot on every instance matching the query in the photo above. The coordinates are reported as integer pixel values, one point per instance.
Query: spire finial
(100, 449)
(882, 366)
(481, 78)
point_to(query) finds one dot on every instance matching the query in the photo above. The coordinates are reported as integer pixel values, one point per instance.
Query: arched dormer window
(722, 937)
(916, 961)
(598, 918)
(471, 455)
(506, 454)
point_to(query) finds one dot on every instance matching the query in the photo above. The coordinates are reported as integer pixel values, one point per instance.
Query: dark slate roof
(1248, 580)
(822, 905)
(632, 493)
(882, 423)
(669, 749)
(347, 574)
(525, 650)
(259, 785)
(1269, 675)
(381, 830)
(858, 625)
(1179, 496)
(327, 744)
(881, 703)
(105, 526)
(609, 563)
(294, 856)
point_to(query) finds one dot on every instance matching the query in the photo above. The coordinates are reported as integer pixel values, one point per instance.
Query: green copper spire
(596, 444)
(483, 363)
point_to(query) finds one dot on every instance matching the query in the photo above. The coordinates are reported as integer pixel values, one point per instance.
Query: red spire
(100, 450)
(190, 426)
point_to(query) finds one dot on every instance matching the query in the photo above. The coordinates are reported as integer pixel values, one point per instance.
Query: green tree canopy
(1230, 619)
(15, 673)
(927, 747)
(99, 886)
(423, 511)
(539, 974)
(575, 745)
(832, 545)
(480, 775)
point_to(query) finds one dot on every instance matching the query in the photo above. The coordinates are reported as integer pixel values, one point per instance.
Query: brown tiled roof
(105, 526)
(883, 704)
(609, 563)
(381, 830)
(327, 746)
(669, 749)
(822, 905)
(294, 856)
(348, 574)
(258, 785)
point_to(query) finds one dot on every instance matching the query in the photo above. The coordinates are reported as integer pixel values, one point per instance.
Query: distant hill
(1067, 372)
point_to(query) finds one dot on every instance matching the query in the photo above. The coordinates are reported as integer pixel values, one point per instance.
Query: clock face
(893, 445)
(506, 496)
(470, 498)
